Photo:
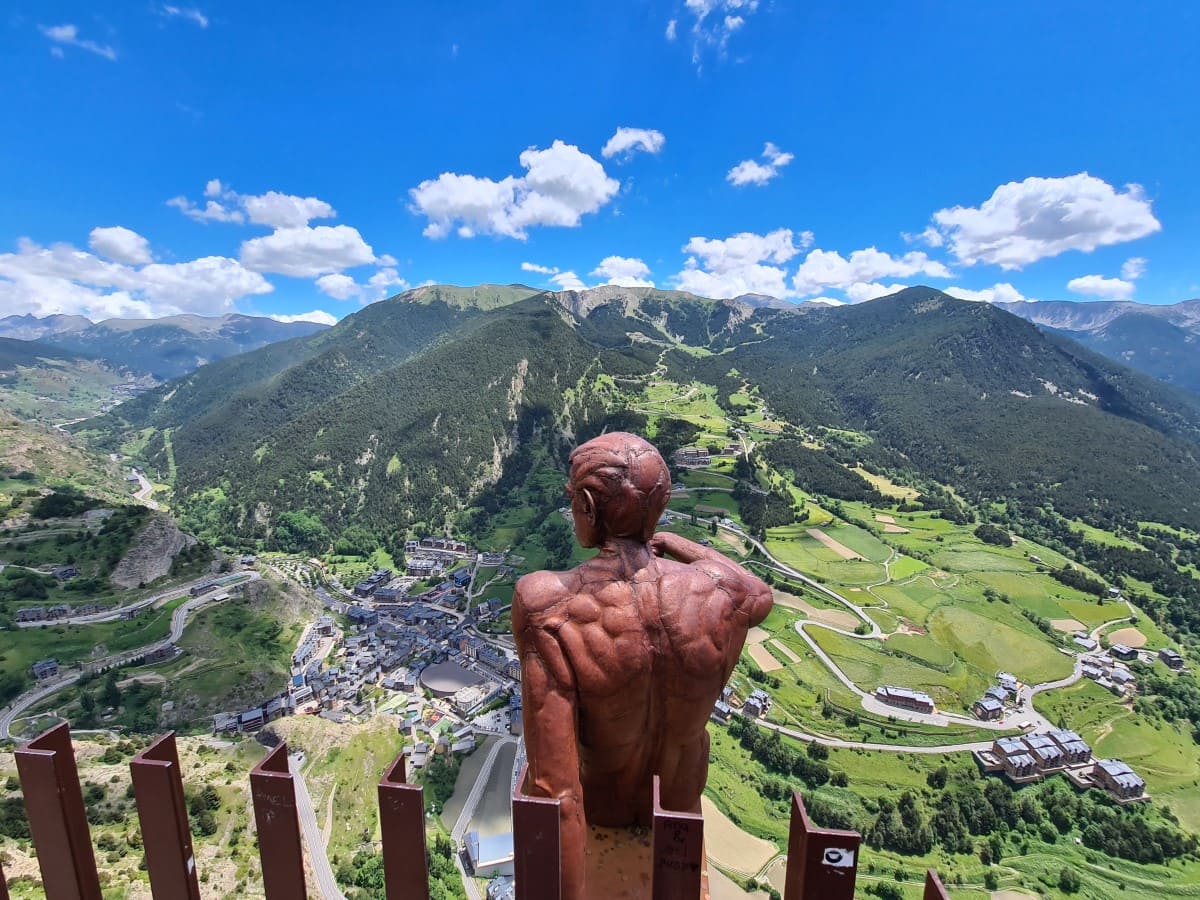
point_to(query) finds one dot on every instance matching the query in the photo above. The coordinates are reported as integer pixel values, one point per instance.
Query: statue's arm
(752, 594)
(549, 714)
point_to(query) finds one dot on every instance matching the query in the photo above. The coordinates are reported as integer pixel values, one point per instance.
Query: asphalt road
(326, 883)
(112, 615)
(41, 692)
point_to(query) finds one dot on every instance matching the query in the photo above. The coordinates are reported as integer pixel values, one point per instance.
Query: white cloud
(121, 245)
(317, 315)
(930, 237)
(285, 210)
(750, 171)
(713, 23)
(1134, 268)
(383, 283)
(64, 279)
(277, 210)
(191, 14)
(541, 270)
(745, 263)
(997, 293)
(307, 252)
(1024, 221)
(212, 211)
(1101, 287)
(69, 35)
(623, 271)
(628, 141)
(823, 269)
(862, 291)
(338, 286)
(568, 281)
(561, 185)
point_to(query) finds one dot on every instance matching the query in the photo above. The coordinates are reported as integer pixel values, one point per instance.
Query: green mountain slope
(976, 398)
(403, 412)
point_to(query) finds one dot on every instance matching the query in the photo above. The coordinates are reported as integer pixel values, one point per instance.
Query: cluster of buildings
(57, 611)
(396, 644)
(701, 457)
(1032, 757)
(990, 707)
(373, 582)
(1109, 670)
(431, 556)
(757, 705)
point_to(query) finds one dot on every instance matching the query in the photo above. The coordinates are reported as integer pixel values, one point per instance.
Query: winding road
(39, 693)
(1025, 712)
(119, 612)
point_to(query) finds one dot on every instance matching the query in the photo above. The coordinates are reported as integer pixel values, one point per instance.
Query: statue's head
(619, 487)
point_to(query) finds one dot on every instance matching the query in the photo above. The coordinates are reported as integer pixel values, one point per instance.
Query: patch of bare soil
(836, 546)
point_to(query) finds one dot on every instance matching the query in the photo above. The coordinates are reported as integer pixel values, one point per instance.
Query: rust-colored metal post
(163, 816)
(537, 854)
(821, 862)
(57, 817)
(275, 815)
(934, 889)
(3, 885)
(402, 823)
(677, 860)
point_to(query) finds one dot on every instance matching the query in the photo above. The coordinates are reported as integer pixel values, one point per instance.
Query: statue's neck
(630, 554)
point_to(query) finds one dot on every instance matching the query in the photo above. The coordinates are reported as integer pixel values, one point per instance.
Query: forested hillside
(403, 412)
(976, 398)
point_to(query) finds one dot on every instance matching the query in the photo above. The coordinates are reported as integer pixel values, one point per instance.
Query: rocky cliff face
(150, 555)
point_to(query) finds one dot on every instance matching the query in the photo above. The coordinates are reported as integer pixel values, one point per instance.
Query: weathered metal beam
(821, 862)
(402, 823)
(163, 816)
(57, 817)
(537, 855)
(274, 795)
(677, 857)
(934, 889)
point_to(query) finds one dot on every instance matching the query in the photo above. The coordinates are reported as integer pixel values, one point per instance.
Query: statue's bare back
(623, 657)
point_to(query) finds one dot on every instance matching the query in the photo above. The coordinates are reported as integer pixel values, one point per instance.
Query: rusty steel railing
(822, 863)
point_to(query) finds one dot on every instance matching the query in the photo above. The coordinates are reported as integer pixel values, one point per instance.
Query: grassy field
(69, 644)
(707, 503)
(344, 762)
(989, 645)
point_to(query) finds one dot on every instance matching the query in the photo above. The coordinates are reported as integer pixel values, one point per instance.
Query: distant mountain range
(1163, 341)
(165, 348)
(405, 412)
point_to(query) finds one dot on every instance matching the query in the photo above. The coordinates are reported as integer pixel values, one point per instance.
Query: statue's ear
(589, 506)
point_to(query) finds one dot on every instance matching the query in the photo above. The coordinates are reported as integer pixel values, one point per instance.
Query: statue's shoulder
(539, 592)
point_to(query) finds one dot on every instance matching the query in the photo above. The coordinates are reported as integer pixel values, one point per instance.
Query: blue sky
(282, 159)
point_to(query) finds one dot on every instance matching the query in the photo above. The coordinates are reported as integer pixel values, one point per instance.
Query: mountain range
(1163, 341)
(165, 348)
(404, 413)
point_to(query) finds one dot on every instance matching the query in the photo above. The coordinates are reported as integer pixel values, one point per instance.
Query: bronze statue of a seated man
(623, 657)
